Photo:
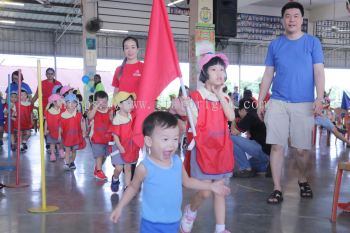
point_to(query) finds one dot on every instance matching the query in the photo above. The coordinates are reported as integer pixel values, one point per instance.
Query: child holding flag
(212, 158)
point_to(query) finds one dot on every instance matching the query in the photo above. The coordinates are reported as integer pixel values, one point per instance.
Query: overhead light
(11, 3)
(7, 21)
(176, 2)
(113, 30)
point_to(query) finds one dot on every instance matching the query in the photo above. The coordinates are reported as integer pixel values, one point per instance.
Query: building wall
(32, 43)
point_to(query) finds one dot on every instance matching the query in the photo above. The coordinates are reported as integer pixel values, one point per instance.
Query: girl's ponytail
(120, 73)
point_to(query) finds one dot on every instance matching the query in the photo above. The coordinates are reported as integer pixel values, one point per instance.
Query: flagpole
(189, 114)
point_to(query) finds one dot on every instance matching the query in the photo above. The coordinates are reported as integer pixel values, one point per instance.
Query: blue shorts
(99, 150)
(324, 122)
(152, 227)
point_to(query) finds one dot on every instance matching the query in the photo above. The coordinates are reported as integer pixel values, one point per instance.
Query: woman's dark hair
(158, 118)
(15, 73)
(124, 61)
(247, 94)
(97, 75)
(249, 105)
(292, 5)
(203, 76)
(50, 69)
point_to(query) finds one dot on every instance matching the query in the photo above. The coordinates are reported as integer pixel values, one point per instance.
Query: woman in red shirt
(47, 86)
(127, 76)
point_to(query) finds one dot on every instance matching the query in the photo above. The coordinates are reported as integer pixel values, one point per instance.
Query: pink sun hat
(54, 97)
(65, 89)
(208, 56)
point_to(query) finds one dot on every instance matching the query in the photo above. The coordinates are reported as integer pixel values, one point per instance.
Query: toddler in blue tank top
(162, 175)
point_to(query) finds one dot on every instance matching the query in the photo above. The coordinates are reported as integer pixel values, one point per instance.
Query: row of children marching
(109, 130)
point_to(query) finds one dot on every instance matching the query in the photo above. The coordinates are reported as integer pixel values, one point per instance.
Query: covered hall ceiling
(61, 15)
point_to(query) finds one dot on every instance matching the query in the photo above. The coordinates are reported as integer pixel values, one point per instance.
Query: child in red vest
(71, 131)
(26, 118)
(212, 157)
(125, 152)
(52, 116)
(100, 116)
(12, 109)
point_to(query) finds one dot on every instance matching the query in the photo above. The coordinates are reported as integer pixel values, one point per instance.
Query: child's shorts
(50, 140)
(116, 157)
(197, 173)
(75, 147)
(152, 227)
(99, 150)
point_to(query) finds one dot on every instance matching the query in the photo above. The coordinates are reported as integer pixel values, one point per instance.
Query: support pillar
(89, 46)
(201, 36)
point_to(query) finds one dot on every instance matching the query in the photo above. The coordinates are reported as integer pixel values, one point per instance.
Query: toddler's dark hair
(158, 118)
(100, 95)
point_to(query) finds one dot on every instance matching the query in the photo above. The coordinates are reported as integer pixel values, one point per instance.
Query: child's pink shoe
(52, 157)
(62, 154)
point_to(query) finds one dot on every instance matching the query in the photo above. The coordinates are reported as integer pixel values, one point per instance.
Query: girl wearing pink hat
(212, 157)
(52, 116)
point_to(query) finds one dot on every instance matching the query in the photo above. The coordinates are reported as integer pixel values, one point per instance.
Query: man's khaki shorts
(289, 120)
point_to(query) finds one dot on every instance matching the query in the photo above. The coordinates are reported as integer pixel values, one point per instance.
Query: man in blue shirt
(294, 66)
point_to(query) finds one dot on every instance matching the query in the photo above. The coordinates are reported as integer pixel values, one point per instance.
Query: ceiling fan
(335, 28)
(45, 3)
(182, 4)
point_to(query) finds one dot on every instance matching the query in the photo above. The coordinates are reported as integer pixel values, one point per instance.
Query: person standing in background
(47, 85)
(127, 76)
(294, 66)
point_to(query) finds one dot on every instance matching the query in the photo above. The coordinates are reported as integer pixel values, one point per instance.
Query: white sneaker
(66, 167)
(224, 231)
(187, 221)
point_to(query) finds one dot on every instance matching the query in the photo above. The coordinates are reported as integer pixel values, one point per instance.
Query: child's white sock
(219, 228)
(114, 179)
(190, 212)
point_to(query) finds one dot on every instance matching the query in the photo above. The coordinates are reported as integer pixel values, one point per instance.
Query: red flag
(160, 68)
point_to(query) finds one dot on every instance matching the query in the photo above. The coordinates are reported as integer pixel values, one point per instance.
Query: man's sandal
(305, 190)
(275, 197)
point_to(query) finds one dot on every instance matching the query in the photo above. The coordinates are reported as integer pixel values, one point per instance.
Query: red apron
(125, 133)
(100, 134)
(214, 147)
(52, 121)
(71, 131)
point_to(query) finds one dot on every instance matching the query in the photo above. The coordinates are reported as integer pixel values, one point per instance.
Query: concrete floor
(85, 204)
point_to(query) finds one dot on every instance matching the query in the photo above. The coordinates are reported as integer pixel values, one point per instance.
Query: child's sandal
(275, 197)
(305, 190)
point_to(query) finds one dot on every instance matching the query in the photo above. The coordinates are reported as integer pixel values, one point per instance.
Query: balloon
(85, 79)
(92, 89)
